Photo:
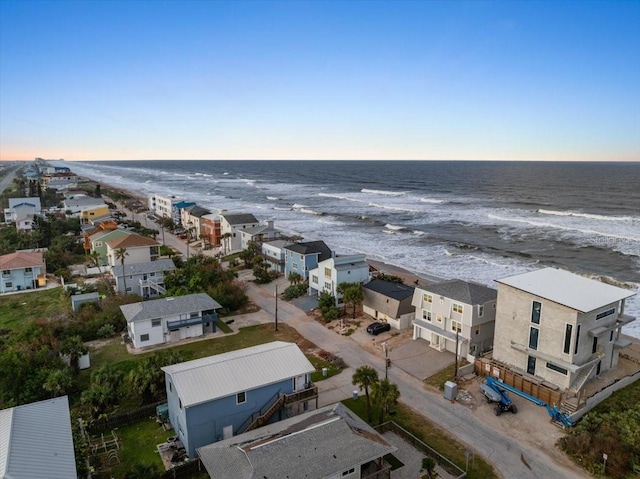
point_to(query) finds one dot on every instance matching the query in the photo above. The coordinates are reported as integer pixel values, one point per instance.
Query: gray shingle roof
(197, 211)
(311, 247)
(142, 268)
(163, 307)
(239, 218)
(36, 441)
(330, 440)
(463, 291)
(392, 290)
(222, 375)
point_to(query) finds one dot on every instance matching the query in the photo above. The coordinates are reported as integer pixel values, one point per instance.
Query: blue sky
(521, 80)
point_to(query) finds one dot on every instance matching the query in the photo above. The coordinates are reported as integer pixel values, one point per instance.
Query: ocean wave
(395, 208)
(588, 215)
(383, 192)
(273, 198)
(613, 281)
(281, 209)
(311, 212)
(297, 206)
(431, 200)
(339, 197)
(395, 227)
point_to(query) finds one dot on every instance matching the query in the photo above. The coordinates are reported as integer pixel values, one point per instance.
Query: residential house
(216, 397)
(258, 234)
(89, 214)
(25, 222)
(456, 312)
(211, 229)
(166, 320)
(144, 279)
(336, 270)
(273, 254)
(162, 206)
(78, 300)
(330, 442)
(560, 326)
(176, 210)
(20, 208)
(61, 184)
(140, 249)
(302, 257)
(389, 302)
(230, 226)
(22, 270)
(98, 242)
(191, 219)
(75, 204)
(36, 441)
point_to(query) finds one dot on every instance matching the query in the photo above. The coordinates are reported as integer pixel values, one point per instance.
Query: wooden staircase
(269, 413)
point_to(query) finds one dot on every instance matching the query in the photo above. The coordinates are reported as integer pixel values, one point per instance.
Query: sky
(459, 80)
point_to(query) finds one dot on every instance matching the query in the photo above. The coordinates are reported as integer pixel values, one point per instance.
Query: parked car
(377, 328)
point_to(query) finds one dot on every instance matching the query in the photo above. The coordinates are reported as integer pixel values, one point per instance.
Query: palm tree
(58, 383)
(121, 254)
(225, 242)
(352, 293)
(204, 238)
(94, 256)
(294, 278)
(385, 394)
(365, 377)
(74, 348)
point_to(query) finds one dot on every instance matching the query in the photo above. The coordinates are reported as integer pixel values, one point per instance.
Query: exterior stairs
(269, 413)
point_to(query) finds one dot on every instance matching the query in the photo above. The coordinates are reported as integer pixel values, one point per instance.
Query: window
(457, 308)
(477, 330)
(594, 347)
(170, 386)
(6, 271)
(611, 335)
(557, 368)
(194, 315)
(327, 272)
(427, 298)
(98, 244)
(606, 313)
(426, 315)
(531, 365)
(480, 311)
(575, 348)
(144, 337)
(567, 338)
(456, 326)
(535, 312)
(28, 270)
(314, 279)
(294, 266)
(533, 338)
(439, 318)
(156, 322)
(241, 397)
(350, 471)
(8, 284)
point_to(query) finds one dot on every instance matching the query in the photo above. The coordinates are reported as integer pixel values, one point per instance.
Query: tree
(94, 257)
(103, 391)
(148, 379)
(96, 192)
(121, 254)
(384, 394)
(58, 383)
(225, 242)
(294, 278)
(74, 348)
(364, 377)
(352, 293)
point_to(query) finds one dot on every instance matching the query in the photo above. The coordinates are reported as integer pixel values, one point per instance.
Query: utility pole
(276, 306)
(387, 361)
(455, 374)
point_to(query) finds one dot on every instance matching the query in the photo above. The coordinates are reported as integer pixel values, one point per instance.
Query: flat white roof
(568, 289)
(225, 374)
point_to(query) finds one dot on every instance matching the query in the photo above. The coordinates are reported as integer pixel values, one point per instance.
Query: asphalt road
(9, 175)
(510, 458)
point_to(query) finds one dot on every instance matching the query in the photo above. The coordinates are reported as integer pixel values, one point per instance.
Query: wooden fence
(129, 417)
(184, 470)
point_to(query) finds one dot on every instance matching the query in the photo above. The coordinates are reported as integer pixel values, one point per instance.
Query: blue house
(176, 210)
(217, 397)
(22, 270)
(303, 257)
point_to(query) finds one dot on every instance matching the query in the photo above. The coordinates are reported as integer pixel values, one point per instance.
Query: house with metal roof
(36, 441)
(258, 234)
(338, 269)
(139, 249)
(302, 257)
(273, 254)
(389, 302)
(217, 397)
(454, 313)
(330, 442)
(144, 279)
(230, 226)
(559, 326)
(20, 208)
(22, 270)
(165, 320)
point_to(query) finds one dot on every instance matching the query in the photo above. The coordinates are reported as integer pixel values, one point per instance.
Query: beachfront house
(230, 226)
(165, 320)
(21, 208)
(455, 312)
(389, 302)
(330, 442)
(211, 229)
(191, 220)
(75, 204)
(144, 279)
(98, 242)
(560, 326)
(302, 257)
(36, 441)
(258, 234)
(162, 206)
(139, 249)
(176, 210)
(217, 397)
(93, 213)
(273, 254)
(332, 272)
(22, 270)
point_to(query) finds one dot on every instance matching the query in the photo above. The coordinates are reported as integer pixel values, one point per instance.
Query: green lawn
(19, 309)
(430, 434)
(444, 375)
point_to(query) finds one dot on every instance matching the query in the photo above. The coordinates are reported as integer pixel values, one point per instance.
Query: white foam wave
(273, 198)
(382, 192)
(297, 206)
(393, 227)
(339, 197)
(431, 200)
(395, 208)
(311, 212)
(281, 209)
(418, 233)
(588, 215)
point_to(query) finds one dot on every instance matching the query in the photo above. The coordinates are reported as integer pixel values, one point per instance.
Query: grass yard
(444, 375)
(18, 309)
(430, 434)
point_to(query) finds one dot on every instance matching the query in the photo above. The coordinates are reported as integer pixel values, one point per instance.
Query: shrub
(331, 314)
(295, 291)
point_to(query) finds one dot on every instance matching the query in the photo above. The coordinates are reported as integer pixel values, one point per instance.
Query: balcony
(311, 392)
(183, 323)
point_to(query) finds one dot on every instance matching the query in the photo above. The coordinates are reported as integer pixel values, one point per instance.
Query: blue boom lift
(496, 391)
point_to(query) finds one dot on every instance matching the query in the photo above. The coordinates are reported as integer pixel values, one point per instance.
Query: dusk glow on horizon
(459, 80)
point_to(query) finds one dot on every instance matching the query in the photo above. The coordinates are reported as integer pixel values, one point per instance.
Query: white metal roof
(222, 375)
(568, 289)
(36, 441)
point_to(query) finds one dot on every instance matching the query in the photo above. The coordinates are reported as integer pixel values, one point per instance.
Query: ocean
(472, 220)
